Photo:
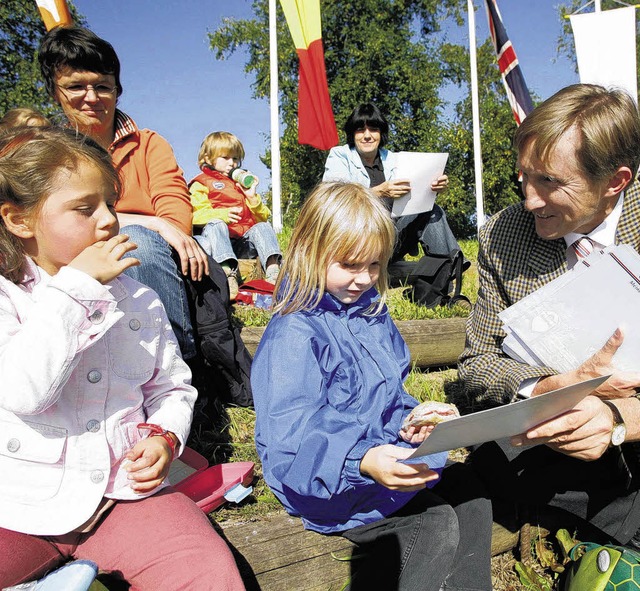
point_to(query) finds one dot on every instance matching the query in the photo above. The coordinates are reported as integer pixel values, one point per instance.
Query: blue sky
(174, 85)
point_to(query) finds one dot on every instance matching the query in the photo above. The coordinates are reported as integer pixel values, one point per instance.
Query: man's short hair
(366, 115)
(79, 49)
(606, 119)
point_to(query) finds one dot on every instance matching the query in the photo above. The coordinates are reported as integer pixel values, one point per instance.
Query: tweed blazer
(514, 261)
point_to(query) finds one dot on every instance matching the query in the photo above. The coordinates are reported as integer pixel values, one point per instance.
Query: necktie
(583, 247)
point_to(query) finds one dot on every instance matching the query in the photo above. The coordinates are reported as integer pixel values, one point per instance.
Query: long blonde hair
(338, 222)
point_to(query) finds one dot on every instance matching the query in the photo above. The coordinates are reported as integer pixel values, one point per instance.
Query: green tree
(392, 53)
(497, 125)
(21, 29)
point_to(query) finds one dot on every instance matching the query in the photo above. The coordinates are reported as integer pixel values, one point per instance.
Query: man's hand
(619, 385)
(583, 432)
(381, 463)
(103, 260)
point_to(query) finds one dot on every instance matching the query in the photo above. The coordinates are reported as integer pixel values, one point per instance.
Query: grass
(400, 307)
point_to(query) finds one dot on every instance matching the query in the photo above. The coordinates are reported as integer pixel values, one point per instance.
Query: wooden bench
(432, 343)
(275, 553)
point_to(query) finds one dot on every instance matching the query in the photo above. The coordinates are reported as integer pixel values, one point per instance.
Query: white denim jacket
(344, 164)
(82, 364)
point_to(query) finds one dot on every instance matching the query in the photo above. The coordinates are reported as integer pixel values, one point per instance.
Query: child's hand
(381, 463)
(103, 260)
(415, 436)
(150, 461)
(234, 214)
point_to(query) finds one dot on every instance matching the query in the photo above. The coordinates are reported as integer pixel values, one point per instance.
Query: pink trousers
(161, 542)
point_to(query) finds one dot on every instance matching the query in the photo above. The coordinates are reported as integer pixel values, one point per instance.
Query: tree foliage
(392, 53)
(21, 29)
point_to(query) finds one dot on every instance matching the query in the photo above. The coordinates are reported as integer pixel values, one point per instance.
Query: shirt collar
(32, 274)
(605, 233)
(124, 126)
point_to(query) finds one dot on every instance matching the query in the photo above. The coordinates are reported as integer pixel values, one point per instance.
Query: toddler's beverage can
(243, 177)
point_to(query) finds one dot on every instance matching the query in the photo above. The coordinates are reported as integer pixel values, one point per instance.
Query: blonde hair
(219, 143)
(338, 222)
(30, 159)
(606, 119)
(23, 117)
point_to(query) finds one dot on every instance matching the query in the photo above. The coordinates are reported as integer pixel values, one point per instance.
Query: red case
(208, 485)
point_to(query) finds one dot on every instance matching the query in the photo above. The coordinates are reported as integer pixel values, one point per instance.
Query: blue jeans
(441, 539)
(159, 270)
(219, 246)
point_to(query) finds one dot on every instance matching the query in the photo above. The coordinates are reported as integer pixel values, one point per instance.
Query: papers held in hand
(421, 168)
(503, 421)
(569, 319)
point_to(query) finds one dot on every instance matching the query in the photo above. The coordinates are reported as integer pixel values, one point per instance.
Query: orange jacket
(153, 183)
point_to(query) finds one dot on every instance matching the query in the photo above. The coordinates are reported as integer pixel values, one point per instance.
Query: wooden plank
(432, 343)
(276, 553)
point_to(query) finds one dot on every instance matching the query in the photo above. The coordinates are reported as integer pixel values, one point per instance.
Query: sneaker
(271, 273)
(232, 280)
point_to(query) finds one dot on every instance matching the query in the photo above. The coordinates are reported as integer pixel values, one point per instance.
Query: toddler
(233, 216)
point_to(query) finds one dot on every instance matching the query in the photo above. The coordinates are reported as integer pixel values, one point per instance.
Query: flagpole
(475, 115)
(275, 120)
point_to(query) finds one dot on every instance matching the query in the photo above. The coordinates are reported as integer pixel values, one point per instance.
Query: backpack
(225, 361)
(434, 280)
(603, 568)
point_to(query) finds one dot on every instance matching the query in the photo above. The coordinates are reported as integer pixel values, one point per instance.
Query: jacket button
(97, 476)
(13, 445)
(94, 376)
(134, 324)
(93, 426)
(97, 317)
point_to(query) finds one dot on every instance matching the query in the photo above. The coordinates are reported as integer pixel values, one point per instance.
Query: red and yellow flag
(54, 13)
(316, 124)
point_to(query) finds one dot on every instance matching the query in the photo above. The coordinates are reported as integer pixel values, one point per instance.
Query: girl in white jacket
(95, 400)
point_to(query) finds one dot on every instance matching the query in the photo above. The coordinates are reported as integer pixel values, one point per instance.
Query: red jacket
(224, 193)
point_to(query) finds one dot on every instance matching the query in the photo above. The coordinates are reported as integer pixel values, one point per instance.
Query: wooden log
(432, 343)
(277, 554)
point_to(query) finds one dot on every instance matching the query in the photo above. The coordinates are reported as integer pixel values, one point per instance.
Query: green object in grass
(603, 568)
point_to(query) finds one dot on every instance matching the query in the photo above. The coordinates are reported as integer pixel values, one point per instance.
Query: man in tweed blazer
(578, 151)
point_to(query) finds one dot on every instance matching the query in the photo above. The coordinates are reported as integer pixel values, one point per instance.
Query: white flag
(606, 48)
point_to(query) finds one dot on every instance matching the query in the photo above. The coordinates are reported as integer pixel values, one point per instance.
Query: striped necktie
(583, 247)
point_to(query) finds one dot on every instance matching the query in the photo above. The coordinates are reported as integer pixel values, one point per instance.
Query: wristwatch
(619, 431)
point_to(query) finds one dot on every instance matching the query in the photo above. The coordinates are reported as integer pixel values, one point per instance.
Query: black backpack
(224, 368)
(434, 280)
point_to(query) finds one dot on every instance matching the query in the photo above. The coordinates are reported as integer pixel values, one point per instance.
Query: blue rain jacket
(328, 386)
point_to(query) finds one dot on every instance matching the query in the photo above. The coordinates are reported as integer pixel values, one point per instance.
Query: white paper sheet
(421, 168)
(570, 318)
(504, 421)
